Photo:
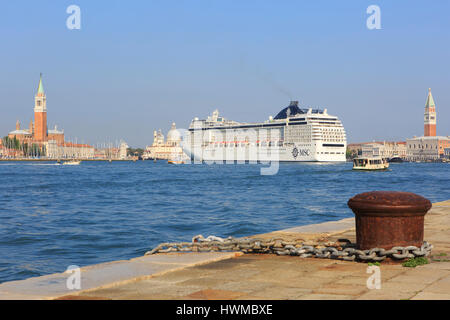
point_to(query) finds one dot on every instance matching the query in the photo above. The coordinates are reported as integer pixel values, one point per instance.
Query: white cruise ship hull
(264, 154)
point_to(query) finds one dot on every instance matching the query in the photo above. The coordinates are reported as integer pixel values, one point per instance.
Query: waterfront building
(56, 135)
(24, 136)
(447, 153)
(112, 152)
(164, 150)
(52, 141)
(68, 150)
(384, 149)
(354, 150)
(429, 146)
(100, 153)
(123, 150)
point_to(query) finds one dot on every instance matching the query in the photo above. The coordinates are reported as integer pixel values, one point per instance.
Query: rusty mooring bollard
(385, 219)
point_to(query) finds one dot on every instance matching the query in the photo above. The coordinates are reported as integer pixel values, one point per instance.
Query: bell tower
(40, 114)
(430, 117)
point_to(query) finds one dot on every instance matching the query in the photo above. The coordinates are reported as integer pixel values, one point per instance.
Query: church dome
(173, 135)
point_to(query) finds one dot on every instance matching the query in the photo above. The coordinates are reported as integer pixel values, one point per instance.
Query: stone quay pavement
(228, 276)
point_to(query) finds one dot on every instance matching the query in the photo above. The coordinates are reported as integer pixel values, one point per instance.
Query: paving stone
(392, 290)
(431, 296)
(440, 286)
(249, 287)
(422, 276)
(282, 293)
(342, 289)
(357, 280)
(211, 294)
(145, 289)
(384, 295)
(437, 266)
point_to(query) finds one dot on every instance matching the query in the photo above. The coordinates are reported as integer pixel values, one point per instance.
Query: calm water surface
(53, 216)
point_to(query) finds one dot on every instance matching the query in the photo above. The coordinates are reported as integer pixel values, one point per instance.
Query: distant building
(24, 136)
(384, 149)
(447, 153)
(51, 140)
(164, 150)
(37, 132)
(112, 153)
(56, 135)
(426, 148)
(355, 147)
(354, 150)
(69, 150)
(123, 150)
(429, 146)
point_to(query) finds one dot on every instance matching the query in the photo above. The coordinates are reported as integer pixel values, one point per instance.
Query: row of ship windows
(330, 152)
(331, 133)
(245, 144)
(334, 130)
(308, 138)
(298, 137)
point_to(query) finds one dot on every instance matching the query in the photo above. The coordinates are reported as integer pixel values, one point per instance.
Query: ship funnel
(293, 104)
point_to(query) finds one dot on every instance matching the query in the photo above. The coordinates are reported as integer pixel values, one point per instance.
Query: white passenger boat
(294, 135)
(370, 164)
(71, 163)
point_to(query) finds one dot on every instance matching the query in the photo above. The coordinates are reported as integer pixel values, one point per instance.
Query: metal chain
(339, 251)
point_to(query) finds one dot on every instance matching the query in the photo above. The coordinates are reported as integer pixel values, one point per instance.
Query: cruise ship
(293, 135)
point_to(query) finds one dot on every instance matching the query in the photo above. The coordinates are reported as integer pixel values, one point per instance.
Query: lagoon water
(53, 216)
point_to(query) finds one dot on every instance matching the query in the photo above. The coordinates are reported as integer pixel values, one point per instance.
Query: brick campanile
(430, 117)
(40, 114)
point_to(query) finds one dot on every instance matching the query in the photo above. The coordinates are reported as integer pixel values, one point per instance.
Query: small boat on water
(175, 161)
(72, 163)
(370, 164)
(396, 159)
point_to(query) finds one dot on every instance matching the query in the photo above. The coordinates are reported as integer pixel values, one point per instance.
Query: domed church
(164, 150)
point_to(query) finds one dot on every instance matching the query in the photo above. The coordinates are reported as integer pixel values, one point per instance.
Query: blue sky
(137, 66)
